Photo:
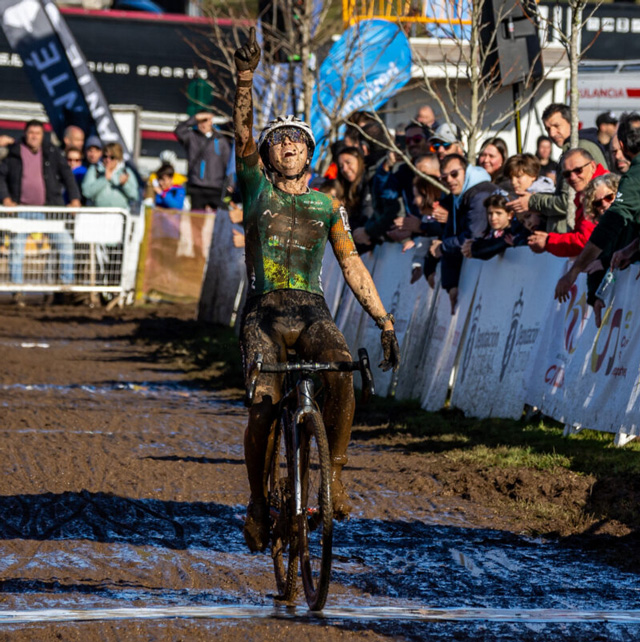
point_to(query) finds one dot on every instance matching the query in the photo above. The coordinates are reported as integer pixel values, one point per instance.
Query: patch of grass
(509, 457)
(501, 442)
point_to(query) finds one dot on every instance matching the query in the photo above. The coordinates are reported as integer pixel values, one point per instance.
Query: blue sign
(364, 68)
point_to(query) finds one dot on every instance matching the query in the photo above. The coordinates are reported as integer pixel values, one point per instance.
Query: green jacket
(622, 213)
(554, 206)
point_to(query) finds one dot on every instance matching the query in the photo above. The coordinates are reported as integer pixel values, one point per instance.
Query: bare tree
(470, 75)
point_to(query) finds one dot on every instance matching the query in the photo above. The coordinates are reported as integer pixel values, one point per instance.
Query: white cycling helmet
(277, 123)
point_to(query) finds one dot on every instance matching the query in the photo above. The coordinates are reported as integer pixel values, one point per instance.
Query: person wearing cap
(287, 226)
(445, 142)
(607, 123)
(93, 150)
(208, 155)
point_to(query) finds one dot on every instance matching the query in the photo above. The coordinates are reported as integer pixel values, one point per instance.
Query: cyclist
(286, 230)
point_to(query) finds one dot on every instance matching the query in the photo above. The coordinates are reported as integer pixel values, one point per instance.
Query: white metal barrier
(60, 249)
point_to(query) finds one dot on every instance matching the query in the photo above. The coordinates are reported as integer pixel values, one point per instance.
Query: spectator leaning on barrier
(503, 230)
(578, 168)
(74, 159)
(469, 187)
(208, 155)
(354, 179)
(110, 183)
(35, 173)
(554, 207)
(618, 226)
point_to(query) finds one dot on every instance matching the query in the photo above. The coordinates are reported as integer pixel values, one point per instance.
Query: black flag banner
(57, 69)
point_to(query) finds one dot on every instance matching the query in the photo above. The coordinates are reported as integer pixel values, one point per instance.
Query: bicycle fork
(306, 406)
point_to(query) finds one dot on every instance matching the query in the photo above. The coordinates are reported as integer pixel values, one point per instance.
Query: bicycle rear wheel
(315, 524)
(284, 539)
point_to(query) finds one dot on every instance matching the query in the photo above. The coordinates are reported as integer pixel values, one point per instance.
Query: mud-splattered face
(287, 157)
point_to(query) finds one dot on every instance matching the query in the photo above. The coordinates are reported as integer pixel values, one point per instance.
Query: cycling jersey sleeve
(340, 232)
(249, 175)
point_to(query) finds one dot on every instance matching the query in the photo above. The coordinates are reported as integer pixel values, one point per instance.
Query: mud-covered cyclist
(286, 230)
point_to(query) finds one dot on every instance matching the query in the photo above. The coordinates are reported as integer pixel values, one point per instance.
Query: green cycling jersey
(286, 234)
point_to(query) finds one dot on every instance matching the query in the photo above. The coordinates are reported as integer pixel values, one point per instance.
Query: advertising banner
(510, 308)
(588, 376)
(367, 65)
(445, 332)
(57, 69)
(391, 274)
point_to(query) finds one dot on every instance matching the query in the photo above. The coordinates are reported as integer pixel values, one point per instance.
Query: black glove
(390, 350)
(248, 56)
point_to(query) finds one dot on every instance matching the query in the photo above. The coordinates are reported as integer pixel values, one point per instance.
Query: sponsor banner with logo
(442, 342)
(590, 377)
(509, 310)
(409, 379)
(391, 274)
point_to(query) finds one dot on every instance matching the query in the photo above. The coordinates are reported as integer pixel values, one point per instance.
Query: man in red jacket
(578, 168)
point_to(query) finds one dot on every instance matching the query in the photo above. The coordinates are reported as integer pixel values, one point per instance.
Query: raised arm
(246, 59)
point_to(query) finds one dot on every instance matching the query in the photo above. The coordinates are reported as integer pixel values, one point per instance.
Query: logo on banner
(575, 319)
(513, 333)
(617, 324)
(472, 339)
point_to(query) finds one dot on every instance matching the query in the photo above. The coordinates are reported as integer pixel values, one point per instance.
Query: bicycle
(299, 477)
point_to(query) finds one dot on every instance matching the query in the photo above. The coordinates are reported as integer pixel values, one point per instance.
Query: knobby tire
(284, 544)
(315, 524)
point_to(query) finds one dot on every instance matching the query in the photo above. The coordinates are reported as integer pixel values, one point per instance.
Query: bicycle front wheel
(284, 538)
(315, 523)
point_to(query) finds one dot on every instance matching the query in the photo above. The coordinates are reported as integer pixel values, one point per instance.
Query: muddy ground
(123, 486)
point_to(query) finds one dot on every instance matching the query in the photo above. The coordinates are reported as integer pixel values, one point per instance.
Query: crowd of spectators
(423, 190)
(415, 186)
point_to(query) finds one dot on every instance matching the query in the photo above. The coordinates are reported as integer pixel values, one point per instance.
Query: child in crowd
(503, 230)
(523, 171)
(168, 194)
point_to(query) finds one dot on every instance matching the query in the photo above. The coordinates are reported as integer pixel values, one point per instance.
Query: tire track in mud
(121, 487)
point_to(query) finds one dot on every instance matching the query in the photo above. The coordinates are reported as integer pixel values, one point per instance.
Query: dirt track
(123, 486)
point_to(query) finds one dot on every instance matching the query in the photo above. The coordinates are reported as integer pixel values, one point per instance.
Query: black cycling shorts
(275, 322)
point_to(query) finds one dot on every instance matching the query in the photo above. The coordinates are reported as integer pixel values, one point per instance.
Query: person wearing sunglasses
(287, 227)
(445, 142)
(578, 169)
(469, 187)
(554, 207)
(110, 183)
(617, 228)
